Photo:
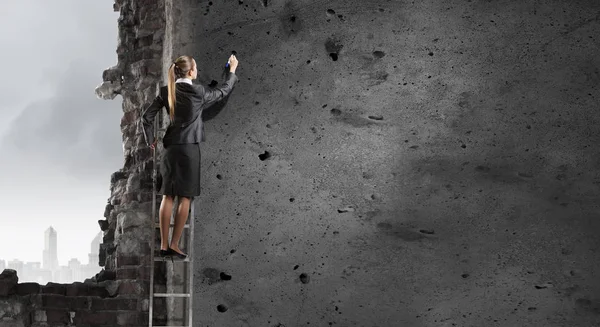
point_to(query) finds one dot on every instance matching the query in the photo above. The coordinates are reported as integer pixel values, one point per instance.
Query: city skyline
(66, 248)
(50, 269)
(50, 246)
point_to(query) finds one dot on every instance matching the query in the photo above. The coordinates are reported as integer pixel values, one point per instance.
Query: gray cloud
(54, 116)
(72, 129)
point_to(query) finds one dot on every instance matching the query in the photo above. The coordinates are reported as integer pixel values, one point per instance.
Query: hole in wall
(304, 278)
(378, 54)
(264, 156)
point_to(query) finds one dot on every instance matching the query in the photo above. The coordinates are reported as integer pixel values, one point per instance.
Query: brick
(110, 263)
(145, 246)
(8, 282)
(114, 304)
(8, 322)
(118, 175)
(103, 223)
(106, 275)
(7, 288)
(28, 288)
(13, 308)
(107, 209)
(35, 301)
(54, 301)
(102, 256)
(146, 196)
(9, 275)
(109, 236)
(97, 290)
(58, 316)
(39, 316)
(76, 289)
(81, 289)
(77, 303)
(143, 273)
(85, 317)
(54, 288)
(131, 287)
(127, 273)
(129, 117)
(132, 318)
(126, 197)
(126, 260)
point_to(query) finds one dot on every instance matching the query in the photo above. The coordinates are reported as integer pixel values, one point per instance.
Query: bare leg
(180, 219)
(166, 210)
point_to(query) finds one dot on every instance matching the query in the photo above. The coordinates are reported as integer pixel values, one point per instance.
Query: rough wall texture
(380, 163)
(399, 163)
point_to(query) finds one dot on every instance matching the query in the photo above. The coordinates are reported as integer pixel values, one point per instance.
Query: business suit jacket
(190, 103)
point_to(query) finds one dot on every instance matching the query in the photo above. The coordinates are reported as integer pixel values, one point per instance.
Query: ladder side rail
(152, 222)
(191, 263)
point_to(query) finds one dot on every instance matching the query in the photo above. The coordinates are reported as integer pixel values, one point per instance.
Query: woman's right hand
(233, 63)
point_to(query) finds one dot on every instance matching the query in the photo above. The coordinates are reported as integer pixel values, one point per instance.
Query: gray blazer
(192, 107)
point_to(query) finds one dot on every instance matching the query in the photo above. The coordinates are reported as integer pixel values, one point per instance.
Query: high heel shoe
(164, 253)
(177, 254)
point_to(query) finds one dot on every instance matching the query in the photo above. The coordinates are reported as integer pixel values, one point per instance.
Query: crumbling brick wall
(118, 295)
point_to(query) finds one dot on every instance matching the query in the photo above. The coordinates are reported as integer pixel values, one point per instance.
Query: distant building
(75, 268)
(42, 276)
(16, 265)
(93, 266)
(50, 259)
(30, 271)
(94, 256)
(2, 265)
(63, 274)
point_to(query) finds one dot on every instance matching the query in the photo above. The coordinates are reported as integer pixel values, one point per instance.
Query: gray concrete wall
(443, 171)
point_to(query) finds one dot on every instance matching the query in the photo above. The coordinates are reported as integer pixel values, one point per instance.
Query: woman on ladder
(180, 167)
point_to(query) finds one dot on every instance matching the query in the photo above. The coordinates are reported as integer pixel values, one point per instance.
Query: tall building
(94, 255)
(50, 259)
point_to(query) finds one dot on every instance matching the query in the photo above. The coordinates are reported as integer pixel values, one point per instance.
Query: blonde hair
(179, 68)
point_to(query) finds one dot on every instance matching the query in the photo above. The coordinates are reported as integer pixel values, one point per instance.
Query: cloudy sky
(59, 143)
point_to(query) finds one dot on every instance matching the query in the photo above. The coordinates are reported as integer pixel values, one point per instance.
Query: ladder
(189, 226)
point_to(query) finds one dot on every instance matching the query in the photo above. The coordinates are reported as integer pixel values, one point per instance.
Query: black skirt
(180, 170)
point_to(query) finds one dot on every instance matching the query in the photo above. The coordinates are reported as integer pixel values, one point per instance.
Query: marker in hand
(233, 53)
(226, 69)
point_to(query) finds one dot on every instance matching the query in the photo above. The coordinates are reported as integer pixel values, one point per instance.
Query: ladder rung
(157, 225)
(171, 295)
(169, 259)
